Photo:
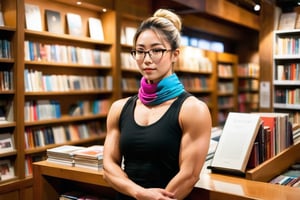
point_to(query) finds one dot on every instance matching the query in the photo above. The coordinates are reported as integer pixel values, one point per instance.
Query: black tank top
(151, 152)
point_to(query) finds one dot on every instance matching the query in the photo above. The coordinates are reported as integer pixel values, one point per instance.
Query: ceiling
(285, 5)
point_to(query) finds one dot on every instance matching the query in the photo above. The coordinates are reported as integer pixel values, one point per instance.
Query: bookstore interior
(63, 63)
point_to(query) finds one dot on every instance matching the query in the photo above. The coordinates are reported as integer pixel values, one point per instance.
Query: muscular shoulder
(194, 112)
(115, 111)
(193, 104)
(117, 105)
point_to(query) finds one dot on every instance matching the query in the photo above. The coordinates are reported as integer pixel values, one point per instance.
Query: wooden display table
(51, 180)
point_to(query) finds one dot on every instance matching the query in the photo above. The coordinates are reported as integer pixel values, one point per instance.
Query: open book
(236, 142)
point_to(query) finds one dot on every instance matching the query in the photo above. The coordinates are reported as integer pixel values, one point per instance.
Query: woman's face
(155, 68)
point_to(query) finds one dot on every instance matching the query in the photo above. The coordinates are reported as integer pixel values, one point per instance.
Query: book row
(225, 102)
(199, 82)
(35, 81)
(5, 48)
(193, 59)
(288, 96)
(288, 46)
(249, 84)
(291, 177)
(288, 71)
(6, 80)
(225, 87)
(130, 83)
(248, 70)
(39, 137)
(51, 109)
(35, 51)
(127, 62)
(225, 70)
(248, 97)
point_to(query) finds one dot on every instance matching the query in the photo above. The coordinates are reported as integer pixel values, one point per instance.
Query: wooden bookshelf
(286, 73)
(9, 157)
(248, 90)
(227, 84)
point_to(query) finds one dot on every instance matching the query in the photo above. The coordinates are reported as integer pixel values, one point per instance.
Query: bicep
(196, 135)
(111, 144)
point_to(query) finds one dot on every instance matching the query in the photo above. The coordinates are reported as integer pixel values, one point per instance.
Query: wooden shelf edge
(276, 165)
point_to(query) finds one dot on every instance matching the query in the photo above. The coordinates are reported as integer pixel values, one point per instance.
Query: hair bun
(169, 15)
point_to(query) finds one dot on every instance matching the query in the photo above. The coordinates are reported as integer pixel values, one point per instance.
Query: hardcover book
(96, 29)
(6, 142)
(236, 143)
(6, 170)
(33, 17)
(74, 24)
(1, 19)
(287, 21)
(54, 24)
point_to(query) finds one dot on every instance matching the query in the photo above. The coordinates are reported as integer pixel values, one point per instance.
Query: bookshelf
(9, 158)
(34, 113)
(226, 85)
(68, 81)
(248, 90)
(286, 73)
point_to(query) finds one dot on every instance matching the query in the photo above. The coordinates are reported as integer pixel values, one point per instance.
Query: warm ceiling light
(104, 10)
(78, 2)
(257, 7)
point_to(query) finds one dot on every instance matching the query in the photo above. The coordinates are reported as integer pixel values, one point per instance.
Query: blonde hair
(164, 23)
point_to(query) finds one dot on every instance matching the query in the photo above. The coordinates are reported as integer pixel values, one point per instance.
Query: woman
(156, 141)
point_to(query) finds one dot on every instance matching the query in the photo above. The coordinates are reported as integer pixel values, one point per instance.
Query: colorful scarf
(156, 93)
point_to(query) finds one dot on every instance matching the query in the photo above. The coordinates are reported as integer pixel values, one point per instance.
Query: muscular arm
(195, 121)
(112, 159)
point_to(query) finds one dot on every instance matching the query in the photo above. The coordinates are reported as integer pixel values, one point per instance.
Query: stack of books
(90, 157)
(290, 177)
(63, 154)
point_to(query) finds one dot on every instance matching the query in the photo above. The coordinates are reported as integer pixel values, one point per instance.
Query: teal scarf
(156, 93)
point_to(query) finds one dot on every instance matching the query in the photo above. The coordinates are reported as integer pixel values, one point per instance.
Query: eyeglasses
(154, 54)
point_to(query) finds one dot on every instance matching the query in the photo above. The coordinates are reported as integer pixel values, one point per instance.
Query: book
(33, 17)
(129, 34)
(6, 170)
(74, 22)
(236, 143)
(96, 29)
(287, 21)
(6, 142)
(90, 157)
(6, 111)
(297, 25)
(1, 19)
(54, 24)
(63, 154)
(91, 152)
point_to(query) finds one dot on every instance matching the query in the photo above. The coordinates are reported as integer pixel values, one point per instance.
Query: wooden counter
(50, 180)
